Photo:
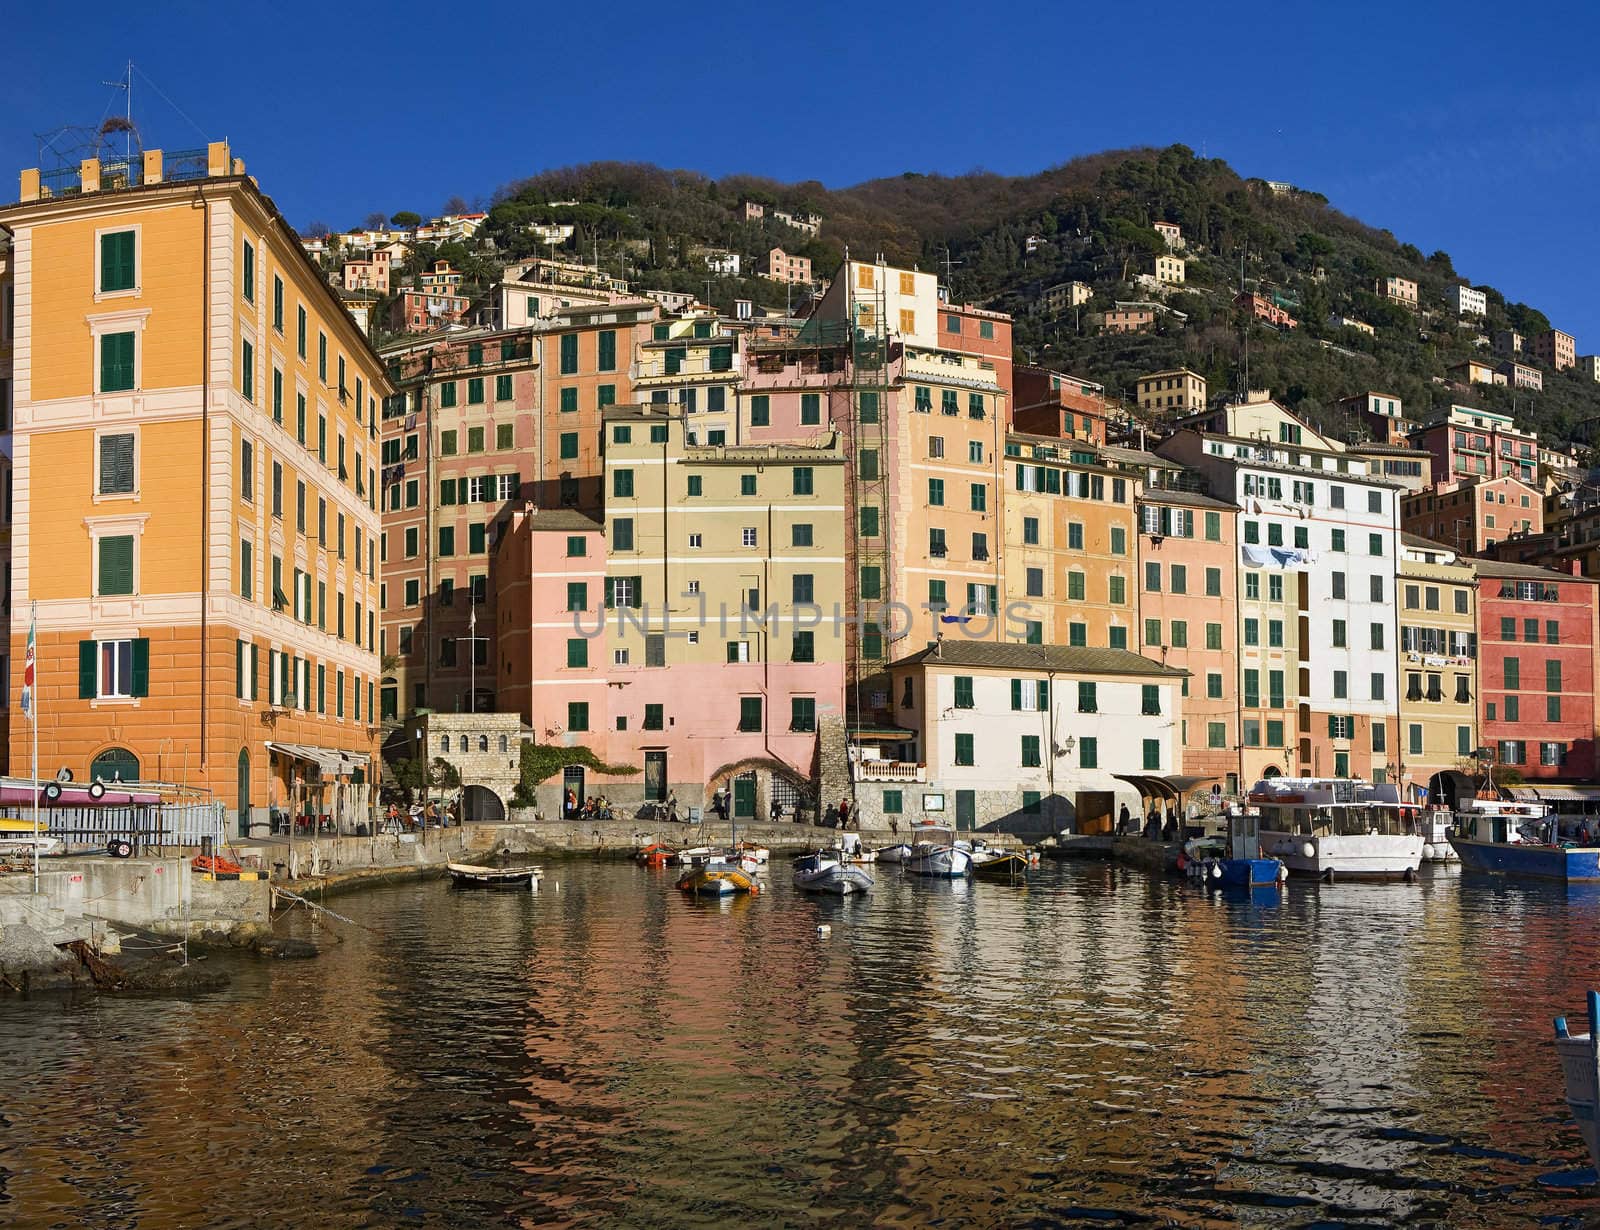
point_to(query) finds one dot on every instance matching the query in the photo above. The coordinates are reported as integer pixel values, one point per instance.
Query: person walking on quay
(844, 813)
(672, 807)
(1152, 824)
(569, 804)
(1124, 822)
(719, 804)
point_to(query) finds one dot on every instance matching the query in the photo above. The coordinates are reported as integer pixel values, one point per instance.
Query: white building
(1032, 738)
(1171, 234)
(1465, 301)
(724, 263)
(1319, 535)
(1589, 366)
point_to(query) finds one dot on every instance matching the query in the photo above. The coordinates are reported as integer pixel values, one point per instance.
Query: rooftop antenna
(125, 85)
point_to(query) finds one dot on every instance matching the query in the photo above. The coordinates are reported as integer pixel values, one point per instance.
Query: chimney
(1575, 566)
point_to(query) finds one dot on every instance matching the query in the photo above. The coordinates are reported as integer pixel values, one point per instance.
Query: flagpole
(33, 719)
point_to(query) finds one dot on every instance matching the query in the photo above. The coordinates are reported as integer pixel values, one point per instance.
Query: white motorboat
(1334, 827)
(1580, 1064)
(827, 872)
(892, 854)
(1436, 847)
(952, 861)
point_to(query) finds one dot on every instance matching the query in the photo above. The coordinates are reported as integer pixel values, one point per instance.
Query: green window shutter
(760, 410)
(475, 538)
(116, 261)
(569, 399)
(238, 670)
(116, 565)
(255, 669)
(116, 362)
(88, 663)
(569, 445)
(447, 394)
(447, 491)
(577, 652)
(475, 391)
(141, 666)
(1016, 694)
(569, 354)
(608, 351)
(502, 388)
(1044, 694)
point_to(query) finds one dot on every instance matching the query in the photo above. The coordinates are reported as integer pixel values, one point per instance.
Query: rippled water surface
(1100, 1048)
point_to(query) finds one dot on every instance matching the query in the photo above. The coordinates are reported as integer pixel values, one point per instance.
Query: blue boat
(1234, 861)
(1526, 860)
(1520, 840)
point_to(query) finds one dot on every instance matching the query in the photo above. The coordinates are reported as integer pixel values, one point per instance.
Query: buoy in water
(1308, 850)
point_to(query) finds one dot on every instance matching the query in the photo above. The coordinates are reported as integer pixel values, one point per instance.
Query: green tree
(405, 219)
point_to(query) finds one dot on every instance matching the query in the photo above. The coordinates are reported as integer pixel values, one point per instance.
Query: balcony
(889, 771)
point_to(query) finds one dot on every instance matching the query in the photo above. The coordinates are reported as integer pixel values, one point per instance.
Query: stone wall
(485, 748)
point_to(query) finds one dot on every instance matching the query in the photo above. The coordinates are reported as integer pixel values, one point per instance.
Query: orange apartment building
(1050, 403)
(193, 471)
(1069, 546)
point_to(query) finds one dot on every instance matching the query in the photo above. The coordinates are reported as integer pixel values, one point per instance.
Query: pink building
(1266, 310)
(781, 267)
(371, 274)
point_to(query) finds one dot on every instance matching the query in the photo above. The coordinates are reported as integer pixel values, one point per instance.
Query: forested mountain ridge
(1001, 240)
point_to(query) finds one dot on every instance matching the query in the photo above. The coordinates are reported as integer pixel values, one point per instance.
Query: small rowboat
(654, 855)
(473, 875)
(718, 880)
(1006, 865)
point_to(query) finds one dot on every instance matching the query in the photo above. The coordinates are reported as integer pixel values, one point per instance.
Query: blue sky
(1464, 127)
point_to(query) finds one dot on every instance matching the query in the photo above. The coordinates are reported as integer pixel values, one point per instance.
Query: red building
(1536, 670)
(1055, 404)
(1266, 310)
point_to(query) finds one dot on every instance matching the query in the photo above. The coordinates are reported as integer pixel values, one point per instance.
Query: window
(748, 537)
(1088, 701)
(1152, 632)
(964, 750)
(893, 802)
(1152, 755)
(803, 713)
(1119, 540)
(810, 409)
(117, 261)
(578, 715)
(1216, 734)
(936, 492)
(1030, 752)
(113, 669)
(963, 692)
(116, 464)
(980, 497)
(116, 362)
(1089, 753)
(805, 646)
(1150, 699)
(569, 445)
(115, 567)
(749, 713)
(747, 484)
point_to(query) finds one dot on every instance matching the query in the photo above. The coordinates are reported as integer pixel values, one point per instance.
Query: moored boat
(827, 871)
(474, 875)
(892, 854)
(654, 855)
(1520, 840)
(1235, 859)
(1006, 866)
(942, 860)
(1580, 1065)
(718, 879)
(690, 857)
(1335, 827)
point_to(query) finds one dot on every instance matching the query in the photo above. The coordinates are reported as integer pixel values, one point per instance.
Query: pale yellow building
(1170, 270)
(195, 509)
(1174, 392)
(1438, 660)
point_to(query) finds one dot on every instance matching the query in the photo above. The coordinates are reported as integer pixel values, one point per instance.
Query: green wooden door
(966, 810)
(744, 797)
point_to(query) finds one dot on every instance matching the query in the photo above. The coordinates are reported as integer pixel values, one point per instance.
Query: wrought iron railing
(185, 164)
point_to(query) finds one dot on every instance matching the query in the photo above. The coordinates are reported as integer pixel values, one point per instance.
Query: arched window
(444, 743)
(505, 745)
(483, 743)
(115, 764)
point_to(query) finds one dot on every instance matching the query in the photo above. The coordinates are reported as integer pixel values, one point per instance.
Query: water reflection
(1098, 1046)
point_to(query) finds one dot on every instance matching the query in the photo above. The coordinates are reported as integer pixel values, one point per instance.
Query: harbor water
(1103, 1047)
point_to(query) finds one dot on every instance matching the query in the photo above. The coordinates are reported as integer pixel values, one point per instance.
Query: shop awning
(1554, 793)
(330, 761)
(1154, 785)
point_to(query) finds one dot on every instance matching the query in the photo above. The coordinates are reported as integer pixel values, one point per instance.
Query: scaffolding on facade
(868, 585)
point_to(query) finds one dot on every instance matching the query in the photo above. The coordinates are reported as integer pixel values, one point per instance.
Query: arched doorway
(115, 764)
(1272, 770)
(482, 805)
(244, 792)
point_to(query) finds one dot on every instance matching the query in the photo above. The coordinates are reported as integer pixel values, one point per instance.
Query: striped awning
(330, 762)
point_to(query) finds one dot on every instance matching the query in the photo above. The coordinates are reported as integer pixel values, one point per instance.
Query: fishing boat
(473, 875)
(688, 858)
(827, 871)
(759, 855)
(1580, 1065)
(1520, 840)
(1234, 860)
(946, 860)
(892, 854)
(1334, 827)
(1006, 866)
(1436, 847)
